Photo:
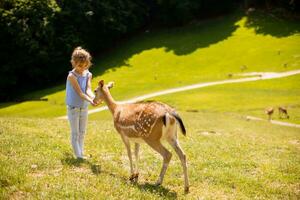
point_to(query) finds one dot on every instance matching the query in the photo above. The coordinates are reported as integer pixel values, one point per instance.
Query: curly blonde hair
(81, 58)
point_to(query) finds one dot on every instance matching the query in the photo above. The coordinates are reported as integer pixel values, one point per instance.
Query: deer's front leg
(127, 145)
(136, 153)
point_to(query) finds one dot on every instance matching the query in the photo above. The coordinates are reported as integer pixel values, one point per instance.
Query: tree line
(37, 36)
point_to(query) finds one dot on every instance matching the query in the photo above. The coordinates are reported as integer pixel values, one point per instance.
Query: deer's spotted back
(138, 120)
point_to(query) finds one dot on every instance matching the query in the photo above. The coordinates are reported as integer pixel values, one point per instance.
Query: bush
(27, 36)
(38, 37)
(178, 12)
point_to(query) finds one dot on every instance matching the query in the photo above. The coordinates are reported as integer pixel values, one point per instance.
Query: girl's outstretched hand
(93, 104)
(96, 103)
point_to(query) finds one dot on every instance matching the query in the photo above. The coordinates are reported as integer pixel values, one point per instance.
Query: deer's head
(102, 89)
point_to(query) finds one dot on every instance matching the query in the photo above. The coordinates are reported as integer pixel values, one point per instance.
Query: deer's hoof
(158, 183)
(186, 189)
(131, 177)
(134, 177)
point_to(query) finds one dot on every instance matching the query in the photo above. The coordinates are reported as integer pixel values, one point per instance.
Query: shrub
(38, 37)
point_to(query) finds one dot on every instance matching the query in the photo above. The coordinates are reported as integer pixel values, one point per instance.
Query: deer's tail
(178, 119)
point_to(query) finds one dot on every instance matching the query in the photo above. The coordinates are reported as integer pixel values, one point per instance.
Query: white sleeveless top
(72, 98)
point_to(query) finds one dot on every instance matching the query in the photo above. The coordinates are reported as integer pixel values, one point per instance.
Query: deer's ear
(101, 83)
(110, 85)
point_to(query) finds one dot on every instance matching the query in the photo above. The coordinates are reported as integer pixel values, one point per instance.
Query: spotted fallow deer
(283, 111)
(148, 122)
(269, 112)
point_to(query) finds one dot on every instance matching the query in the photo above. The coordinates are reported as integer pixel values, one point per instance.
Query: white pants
(78, 120)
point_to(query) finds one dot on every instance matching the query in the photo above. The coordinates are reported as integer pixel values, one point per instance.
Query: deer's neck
(110, 102)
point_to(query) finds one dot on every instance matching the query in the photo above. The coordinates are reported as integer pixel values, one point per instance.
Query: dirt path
(253, 76)
(273, 122)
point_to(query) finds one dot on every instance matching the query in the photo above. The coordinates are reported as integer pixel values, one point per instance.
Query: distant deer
(149, 122)
(243, 68)
(283, 111)
(269, 112)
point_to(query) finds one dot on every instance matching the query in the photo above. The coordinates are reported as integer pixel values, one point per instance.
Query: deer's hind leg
(158, 147)
(173, 141)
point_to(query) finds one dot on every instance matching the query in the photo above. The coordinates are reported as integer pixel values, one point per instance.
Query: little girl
(79, 94)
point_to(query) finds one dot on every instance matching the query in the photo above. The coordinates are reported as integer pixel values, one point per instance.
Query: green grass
(250, 98)
(228, 158)
(243, 99)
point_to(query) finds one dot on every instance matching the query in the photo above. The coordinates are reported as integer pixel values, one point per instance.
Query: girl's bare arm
(78, 90)
(89, 88)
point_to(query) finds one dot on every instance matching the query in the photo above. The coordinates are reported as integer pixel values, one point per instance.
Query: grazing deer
(283, 111)
(243, 68)
(269, 112)
(149, 122)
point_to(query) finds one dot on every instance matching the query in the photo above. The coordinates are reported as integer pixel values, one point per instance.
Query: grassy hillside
(228, 158)
(243, 99)
(201, 52)
(251, 98)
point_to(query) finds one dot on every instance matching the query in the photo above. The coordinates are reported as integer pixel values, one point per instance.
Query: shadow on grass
(78, 162)
(96, 170)
(181, 40)
(147, 187)
(38, 96)
(160, 190)
(71, 161)
(269, 24)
